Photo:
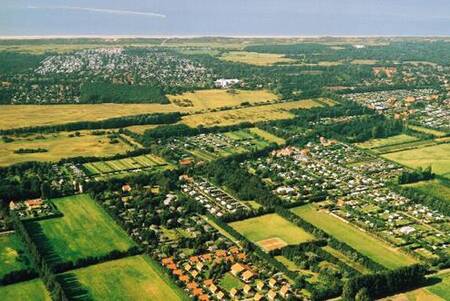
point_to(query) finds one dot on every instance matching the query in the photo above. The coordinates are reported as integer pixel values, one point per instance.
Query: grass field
(59, 145)
(442, 289)
(85, 230)
(229, 281)
(361, 241)
(250, 114)
(271, 226)
(267, 136)
(131, 278)
(33, 290)
(435, 188)
(426, 130)
(140, 129)
(12, 256)
(436, 156)
(398, 139)
(217, 98)
(255, 58)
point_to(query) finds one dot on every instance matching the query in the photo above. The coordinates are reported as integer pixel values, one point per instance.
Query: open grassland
(435, 188)
(436, 156)
(59, 146)
(345, 259)
(255, 58)
(250, 114)
(361, 241)
(426, 130)
(271, 226)
(364, 62)
(393, 140)
(218, 98)
(442, 289)
(267, 136)
(12, 256)
(85, 230)
(33, 290)
(131, 278)
(140, 129)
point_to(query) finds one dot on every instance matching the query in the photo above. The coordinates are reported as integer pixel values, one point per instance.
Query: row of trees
(416, 175)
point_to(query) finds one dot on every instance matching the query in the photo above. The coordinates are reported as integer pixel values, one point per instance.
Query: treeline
(101, 92)
(416, 176)
(30, 150)
(441, 205)
(385, 283)
(118, 122)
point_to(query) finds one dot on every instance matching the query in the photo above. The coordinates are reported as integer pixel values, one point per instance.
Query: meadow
(426, 130)
(255, 58)
(361, 241)
(269, 226)
(59, 145)
(218, 98)
(131, 278)
(12, 256)
(33, 290)
(84, 230)
(436, 156)
(434, 188)
(393, 140)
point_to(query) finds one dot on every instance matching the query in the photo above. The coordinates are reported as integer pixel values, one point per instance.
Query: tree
(363, 295)
(45, 190)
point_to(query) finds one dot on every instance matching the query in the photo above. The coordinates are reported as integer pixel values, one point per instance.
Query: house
(213, 288)
(284, 291)
(247, 289)
(208, 282)
(184, 278)
(247, 275)
(258, 297)
(220, 295)
(199, 266)
(192, 285)
(13, 206)
(272, 295)
(272, 282)
(234, 292)
(187, 267)
(126, 188)
(34, 204)
(197, 292)
(203, 297)
(237, 268)
(226, 83)
(260, 285)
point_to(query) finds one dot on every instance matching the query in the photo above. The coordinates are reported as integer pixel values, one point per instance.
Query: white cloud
(102, 10)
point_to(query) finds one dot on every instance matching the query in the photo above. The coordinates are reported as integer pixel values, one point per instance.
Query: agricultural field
(436, 156)
(123, 165)
(426, 130)
(84, 230)
(358, 239)
(381, 142)
(255, 58)
(271, 231)
(131, 278)
(218, 98)
(12, 257)
(59, 145)
(250, 114)
(33, 290)
(434, 188)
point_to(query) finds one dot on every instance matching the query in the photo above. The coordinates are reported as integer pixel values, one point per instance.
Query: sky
(224, 17)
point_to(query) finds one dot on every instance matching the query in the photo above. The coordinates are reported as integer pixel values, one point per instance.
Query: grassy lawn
(143, 161)
(131, 278)
(85, 230)
(361, 241)
(33, 290)
(435, 188)
(12, 257)
(267, 136)
(59, 145)
(229, 281)
(255, 58)
(436, 156)
(217, 98)
(290, 265)
(442, 289)
(426, 130)
(398, 139)
(269, 226)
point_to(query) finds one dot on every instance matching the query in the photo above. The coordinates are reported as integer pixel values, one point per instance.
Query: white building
(226, 83)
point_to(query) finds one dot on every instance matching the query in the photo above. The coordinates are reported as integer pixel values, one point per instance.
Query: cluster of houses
(33, 208)
(250, 284)
(214, 199)
(225, 83)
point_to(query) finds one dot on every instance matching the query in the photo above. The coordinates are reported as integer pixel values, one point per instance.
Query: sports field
(59, 146)
(12, 257)
(435, 188)
(33, 290)
(361, 241)
(131, 278)
(85, 230)
(271, 231)
(217, 98)
(255, 58)
(436, 156)
(143, 162)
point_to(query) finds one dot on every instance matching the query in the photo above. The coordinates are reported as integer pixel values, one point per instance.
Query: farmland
(132, 278)
(255, 58)
(393, 140)
(123, 165)
(361, 241)
(435, 188)
(59, 145)
(84, 230)
(271, 226)
(33, 290)
(12, 256)
(435, 156)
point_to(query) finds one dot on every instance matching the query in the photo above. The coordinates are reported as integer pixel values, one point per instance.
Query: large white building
(226, 83)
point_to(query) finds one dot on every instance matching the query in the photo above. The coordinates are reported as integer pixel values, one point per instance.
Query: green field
(267, 136)
(271, 226)
(442, 289)
(131, 278)
(85, 230)
(361, 241)
(12, 257)
(33, 290)
(255, 58)
(436, 156)
(229, 281)
(435, 188)
(426, 130)
(393, 140)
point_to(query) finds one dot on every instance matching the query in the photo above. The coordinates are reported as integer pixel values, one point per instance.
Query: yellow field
(250, 114)
(364, 62)
(140, 129)
(217, 98)
(59, 146)
(426, 130)
(255, 58)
